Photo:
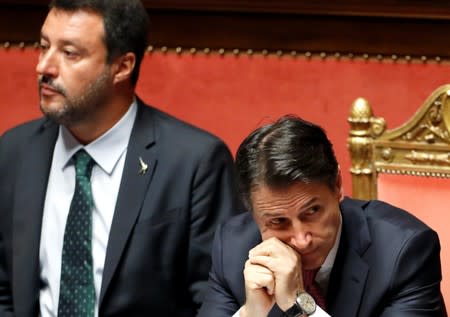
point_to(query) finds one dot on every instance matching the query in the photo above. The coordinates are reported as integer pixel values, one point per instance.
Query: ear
(123, 67)
(339, 188)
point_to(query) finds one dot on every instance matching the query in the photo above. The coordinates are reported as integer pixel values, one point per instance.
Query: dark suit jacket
(387, 265)
(158, 254)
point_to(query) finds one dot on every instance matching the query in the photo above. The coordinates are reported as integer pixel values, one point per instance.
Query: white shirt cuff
(318, 313)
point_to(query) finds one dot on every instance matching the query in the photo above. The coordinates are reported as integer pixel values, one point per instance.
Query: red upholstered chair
(408, 166)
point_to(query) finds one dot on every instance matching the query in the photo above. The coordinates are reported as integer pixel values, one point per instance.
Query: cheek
(77, 86)
(266, 233)
(77, 79)
(326, 229)
(69, 81)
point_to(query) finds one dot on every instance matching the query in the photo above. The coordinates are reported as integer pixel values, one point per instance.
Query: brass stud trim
(408, 58)
(413, 173)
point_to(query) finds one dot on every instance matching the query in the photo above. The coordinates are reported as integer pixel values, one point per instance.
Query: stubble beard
(77, 109)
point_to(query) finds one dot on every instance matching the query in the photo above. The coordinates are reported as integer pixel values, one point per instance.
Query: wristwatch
(304, 305)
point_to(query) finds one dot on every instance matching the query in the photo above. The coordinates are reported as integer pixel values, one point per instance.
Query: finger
(272, 247)
(254, 270)
(270, 286)
(268, 262)
(266, 282)
(257, 277)
(260, 250)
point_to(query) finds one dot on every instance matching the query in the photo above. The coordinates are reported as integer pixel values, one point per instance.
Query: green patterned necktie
(77, 291)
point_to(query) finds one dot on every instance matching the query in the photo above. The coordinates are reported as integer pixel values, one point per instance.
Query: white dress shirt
(323, 275)
(108, 152)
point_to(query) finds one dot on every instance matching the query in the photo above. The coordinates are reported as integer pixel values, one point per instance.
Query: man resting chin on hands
(304, 250)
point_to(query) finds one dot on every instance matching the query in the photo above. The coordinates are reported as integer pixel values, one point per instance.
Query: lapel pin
(144, 166)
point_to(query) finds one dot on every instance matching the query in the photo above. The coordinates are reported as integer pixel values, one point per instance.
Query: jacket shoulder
(179, 129)
(24, 129)
(17, 138)
(400, 219)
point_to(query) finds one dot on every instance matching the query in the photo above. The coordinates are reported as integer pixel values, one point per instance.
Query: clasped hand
(273, 274)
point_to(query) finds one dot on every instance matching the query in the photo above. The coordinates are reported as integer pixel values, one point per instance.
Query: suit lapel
(31, 187)
(349, 274)
(132, 191)
(346, 298)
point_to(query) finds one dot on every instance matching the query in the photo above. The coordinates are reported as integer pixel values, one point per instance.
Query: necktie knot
(83, 164)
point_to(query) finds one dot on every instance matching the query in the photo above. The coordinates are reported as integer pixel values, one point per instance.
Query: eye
(43, 46)
(313, 210)
(70, 53)
(277, 223)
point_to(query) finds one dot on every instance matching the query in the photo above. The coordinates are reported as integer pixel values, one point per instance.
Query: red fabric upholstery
(231, 95)
(426, 198)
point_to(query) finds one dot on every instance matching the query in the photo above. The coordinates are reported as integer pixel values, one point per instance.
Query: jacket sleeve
(219, 301)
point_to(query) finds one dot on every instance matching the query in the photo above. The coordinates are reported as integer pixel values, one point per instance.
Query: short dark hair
(126, 26)
(282, 153)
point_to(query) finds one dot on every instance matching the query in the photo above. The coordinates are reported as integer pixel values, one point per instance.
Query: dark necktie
(77, 291)
(313, 288)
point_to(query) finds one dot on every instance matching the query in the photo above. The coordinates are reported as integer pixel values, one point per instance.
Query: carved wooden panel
(377, 29)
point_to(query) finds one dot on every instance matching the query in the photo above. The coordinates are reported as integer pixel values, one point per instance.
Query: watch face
(306, 302)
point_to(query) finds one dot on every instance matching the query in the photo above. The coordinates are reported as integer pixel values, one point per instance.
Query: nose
(47, 64)
(301, 237)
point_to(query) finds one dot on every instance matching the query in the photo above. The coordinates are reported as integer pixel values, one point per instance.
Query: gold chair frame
(420, 147)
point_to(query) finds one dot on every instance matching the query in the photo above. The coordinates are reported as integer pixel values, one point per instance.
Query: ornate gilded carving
(378, 126)
(359, 142)
(387, 154)
(412, 173)
(429, 158)
(432, 128)
(361, 111)
(420, 147)
(362, 123)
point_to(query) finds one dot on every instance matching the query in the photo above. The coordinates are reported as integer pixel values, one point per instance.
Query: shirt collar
(327, 265)
(105, 150)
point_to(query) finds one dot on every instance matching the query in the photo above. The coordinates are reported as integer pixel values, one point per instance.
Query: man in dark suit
(128, 231)
(303, 250)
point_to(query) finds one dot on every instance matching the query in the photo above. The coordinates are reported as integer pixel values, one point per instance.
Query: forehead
(79, 26)
(294, 196)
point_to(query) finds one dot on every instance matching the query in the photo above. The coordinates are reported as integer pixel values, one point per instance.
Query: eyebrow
(309, 203)
(62, 42)
(305, 206)
(272, 214)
